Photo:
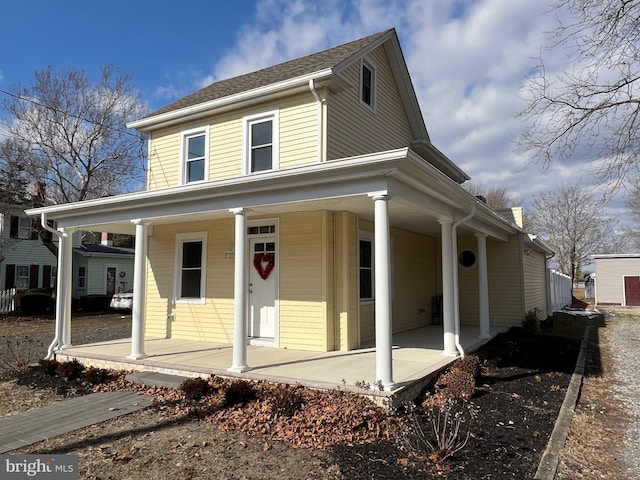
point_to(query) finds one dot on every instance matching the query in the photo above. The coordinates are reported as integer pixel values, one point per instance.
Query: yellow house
(303, 206)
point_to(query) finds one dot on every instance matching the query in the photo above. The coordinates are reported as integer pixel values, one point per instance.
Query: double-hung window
(261, 140)
(195, 155)
(365, 265)
(368, 84)
(191, 254)
(22, 228)
(22, 277)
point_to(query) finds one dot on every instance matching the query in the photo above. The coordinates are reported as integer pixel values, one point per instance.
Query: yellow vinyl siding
(303, 307)
(414, 279)
(353, 129)
(346, 283)
(506, 291)
(298, 141)
(535, 283)
(468, 299)
(212, 321)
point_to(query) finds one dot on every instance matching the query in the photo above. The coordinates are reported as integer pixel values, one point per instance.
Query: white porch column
(139, 285)
(382, 269)
(483, 286)
(65, 285)
(448, 288)
(240, 285)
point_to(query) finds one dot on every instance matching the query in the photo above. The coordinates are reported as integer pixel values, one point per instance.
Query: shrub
(95, 303)
(469, 364)
(238, 392)
(34, 303)
(95, 376)
(285, 401)
(195, 388)
(531, 323)
(17, 354)
(49, 367)
(70, 370)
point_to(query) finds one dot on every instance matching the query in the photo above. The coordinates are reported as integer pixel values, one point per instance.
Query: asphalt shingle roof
(274, 74)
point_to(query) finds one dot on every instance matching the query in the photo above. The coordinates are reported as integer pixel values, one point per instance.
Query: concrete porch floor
(417, 355)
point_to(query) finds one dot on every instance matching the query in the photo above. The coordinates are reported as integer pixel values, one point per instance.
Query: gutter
(320, 120)
(456, 290)
(59, 300)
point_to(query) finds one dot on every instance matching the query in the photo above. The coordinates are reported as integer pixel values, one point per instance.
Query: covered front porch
(417, 356)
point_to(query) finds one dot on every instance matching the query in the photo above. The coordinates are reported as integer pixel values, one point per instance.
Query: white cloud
(467, 59)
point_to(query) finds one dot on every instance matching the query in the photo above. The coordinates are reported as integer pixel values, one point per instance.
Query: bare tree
(496, 197)
(572, 222)
(69, 135)
(591, 111)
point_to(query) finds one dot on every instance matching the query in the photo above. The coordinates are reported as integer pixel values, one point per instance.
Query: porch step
(156, 379)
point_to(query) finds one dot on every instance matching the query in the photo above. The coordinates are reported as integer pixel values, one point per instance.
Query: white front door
(262, 287)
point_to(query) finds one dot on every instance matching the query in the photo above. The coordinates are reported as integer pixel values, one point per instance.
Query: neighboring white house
(617, 279)
(26, 263)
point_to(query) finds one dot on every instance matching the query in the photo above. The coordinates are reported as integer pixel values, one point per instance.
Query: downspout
(456, 294)
(58, 335)
(320, 120)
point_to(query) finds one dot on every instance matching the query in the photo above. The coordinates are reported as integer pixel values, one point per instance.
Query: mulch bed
(517, 399)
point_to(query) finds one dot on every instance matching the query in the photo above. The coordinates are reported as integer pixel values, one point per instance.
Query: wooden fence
(8, 300)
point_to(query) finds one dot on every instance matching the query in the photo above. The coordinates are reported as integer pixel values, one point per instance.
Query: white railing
(8, 300)
(560, 291)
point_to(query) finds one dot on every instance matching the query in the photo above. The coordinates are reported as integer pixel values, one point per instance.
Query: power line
(57, 110)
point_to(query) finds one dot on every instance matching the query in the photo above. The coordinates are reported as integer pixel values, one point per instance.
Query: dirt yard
(323, 435)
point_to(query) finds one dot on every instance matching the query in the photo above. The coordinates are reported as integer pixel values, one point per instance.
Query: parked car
(122, 301)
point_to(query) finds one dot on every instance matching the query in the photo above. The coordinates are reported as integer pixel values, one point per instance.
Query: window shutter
(46, 276)
(33, 276)
(15, 226)
(10, 276)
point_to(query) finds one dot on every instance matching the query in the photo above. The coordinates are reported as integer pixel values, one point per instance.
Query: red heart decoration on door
(263, 263)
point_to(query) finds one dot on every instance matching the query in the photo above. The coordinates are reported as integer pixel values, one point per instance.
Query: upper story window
(22, 228)
(368, 84)
(261, 140)
(191, 254)
(195, 155)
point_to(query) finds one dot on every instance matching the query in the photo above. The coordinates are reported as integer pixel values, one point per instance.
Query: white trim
(371, 66)
(184, 136)
(247, 121)
(181, 238)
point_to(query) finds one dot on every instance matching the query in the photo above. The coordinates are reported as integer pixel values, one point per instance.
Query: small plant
(49, 367)
(285, 401)
(70, 370)
(17, 354)
(531, 323)
(195, 388)
(95, 376)
(363, 385)
(238, 392)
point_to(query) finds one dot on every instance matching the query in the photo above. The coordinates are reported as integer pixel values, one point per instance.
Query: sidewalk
(25, 428)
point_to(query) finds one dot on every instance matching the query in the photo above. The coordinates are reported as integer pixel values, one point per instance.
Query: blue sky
(467, 58)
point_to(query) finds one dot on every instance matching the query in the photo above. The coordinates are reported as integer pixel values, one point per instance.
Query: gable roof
(277, 73)
(300, 73)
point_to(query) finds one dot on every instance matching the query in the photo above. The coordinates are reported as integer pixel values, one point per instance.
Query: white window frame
(369, 64)
(182, 238)
(274, 117)
(184, 162)
(367, 237)
(23, 285)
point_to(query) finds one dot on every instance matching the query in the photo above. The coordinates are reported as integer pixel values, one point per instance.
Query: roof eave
(148, 123)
